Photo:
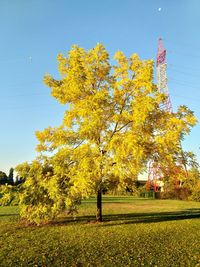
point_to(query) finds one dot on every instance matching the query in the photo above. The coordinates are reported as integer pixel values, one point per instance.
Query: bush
(9, 195)
(182, 193)
(196, 193)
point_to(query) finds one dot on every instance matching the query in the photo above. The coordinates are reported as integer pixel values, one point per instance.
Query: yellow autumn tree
(113, 124)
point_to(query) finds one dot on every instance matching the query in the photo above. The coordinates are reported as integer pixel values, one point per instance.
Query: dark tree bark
(99, 206)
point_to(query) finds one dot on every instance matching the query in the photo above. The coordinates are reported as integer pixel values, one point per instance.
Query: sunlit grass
(135, 232)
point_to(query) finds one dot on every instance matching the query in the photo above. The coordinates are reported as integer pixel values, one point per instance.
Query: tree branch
(123, 126)
(115, 129)
(78, 145)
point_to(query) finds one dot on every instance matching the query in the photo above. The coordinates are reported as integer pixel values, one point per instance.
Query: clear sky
(33, 32)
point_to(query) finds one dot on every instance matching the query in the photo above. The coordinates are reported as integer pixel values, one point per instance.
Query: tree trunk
(99, 206)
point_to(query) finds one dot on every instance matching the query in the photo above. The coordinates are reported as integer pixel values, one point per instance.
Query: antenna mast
(161, 74)
(154, 172)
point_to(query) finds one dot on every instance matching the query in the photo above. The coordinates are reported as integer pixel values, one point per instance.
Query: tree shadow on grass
(133, 218)
(8, 215)
(151, 217)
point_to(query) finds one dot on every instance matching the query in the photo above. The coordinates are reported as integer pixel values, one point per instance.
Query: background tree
(8, 192)
(181, 177)
(112, 126)
(11, 176)
(3, 178)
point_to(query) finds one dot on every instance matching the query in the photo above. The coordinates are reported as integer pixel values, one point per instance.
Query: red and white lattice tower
(154, 172)
(161, 74)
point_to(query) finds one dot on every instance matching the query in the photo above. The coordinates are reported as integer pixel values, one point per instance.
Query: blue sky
(33, 33)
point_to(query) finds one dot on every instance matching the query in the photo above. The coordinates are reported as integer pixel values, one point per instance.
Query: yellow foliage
(115, 116)
(113, 124)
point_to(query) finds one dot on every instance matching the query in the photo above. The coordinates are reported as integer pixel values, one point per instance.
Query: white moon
(159, 9)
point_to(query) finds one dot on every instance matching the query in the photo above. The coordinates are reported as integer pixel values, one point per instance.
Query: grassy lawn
(135, 232)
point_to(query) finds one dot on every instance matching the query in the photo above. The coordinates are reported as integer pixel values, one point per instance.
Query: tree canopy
(113, 125)
(3, 178)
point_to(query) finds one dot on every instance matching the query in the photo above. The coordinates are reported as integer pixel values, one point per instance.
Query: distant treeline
(9, 179)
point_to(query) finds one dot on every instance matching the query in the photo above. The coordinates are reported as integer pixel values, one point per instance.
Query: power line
(28, 59)
(21, 108)
(184, 54)
(22, 95)
(187, 97)
(179, 43)
(184, 83)
(187, 68)
(183, 72)
(24, 84)
(182, 44)
(24, 108)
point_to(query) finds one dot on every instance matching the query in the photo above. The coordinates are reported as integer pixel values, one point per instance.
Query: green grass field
(135, 232)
